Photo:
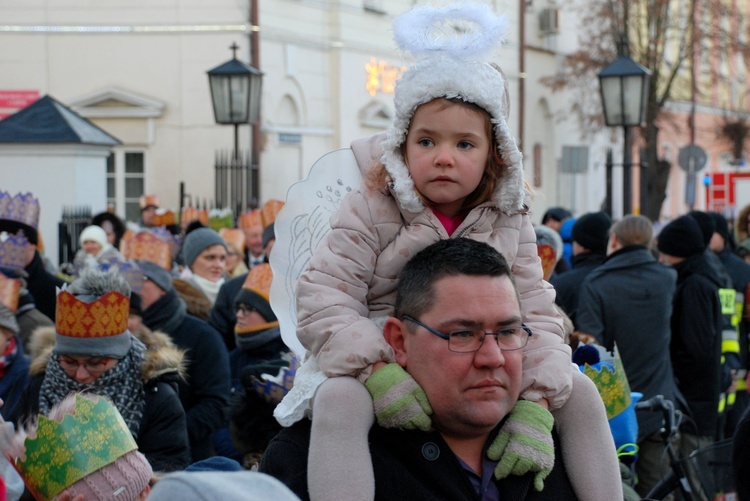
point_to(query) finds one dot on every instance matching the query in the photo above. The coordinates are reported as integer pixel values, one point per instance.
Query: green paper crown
(613, 386)
(94, 436)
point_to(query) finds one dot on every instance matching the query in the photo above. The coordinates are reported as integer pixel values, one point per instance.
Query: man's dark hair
(451, 257)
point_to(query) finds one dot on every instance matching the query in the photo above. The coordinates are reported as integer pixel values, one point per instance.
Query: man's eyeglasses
(92, 366)
(245, 309)
(513, 337)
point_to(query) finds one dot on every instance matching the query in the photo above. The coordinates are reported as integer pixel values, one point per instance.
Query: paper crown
(220, 218)
(21, 207)
(234, 237)
(9, 290)
(61, 454)
(249, 219)
(148, 247)
(259, 280)
(107, 316)
(164, 217)
(549, 258)
(612, 384)
(13, 251)
(269, 211)
(190, 214)
(274, 388)
(128, 269)
(148, 201)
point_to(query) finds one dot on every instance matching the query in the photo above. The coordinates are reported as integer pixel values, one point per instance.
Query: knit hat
(592, 231)
(706, 224)
(215, 463)
(720, 224)
(8, 319)
(157, 274)
(557, 214)
(198, 241)
(453, 66)
(212, 485)
(254, 293)
(92, 315)
(122, 480)
(94, 234)
(681, 238)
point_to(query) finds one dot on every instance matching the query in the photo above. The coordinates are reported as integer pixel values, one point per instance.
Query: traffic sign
(692, 158)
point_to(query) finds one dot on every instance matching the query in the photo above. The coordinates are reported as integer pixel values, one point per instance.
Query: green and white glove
(524, 443)
(399, 401)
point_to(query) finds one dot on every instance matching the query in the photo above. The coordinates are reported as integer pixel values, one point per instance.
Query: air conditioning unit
(549, 21)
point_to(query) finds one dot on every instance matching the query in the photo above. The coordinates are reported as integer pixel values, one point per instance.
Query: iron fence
(236, 181)
(72, 223)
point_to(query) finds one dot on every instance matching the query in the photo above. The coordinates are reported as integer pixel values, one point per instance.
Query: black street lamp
(235, 93)
(624, 88)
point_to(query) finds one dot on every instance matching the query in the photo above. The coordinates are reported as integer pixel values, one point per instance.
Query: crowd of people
(439, 326)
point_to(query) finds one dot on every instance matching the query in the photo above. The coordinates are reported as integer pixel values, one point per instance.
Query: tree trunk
(657, 173)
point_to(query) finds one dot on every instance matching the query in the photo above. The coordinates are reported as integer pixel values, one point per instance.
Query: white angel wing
(300, 226)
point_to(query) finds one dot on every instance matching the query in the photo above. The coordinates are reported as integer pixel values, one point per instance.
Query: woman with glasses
(91, 350)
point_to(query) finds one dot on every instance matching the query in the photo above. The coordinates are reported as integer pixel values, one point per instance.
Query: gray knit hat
(199, 240)
(156, 274)
(211, 485)
(8, 319)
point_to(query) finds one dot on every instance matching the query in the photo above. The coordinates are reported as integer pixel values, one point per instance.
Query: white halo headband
(428, 30)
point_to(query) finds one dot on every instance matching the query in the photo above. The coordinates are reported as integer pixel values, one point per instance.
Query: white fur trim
(472, 81)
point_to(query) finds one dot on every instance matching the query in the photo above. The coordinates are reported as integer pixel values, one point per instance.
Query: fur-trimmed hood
(162, 356)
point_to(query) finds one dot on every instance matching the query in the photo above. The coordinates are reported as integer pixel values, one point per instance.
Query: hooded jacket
(162, 436)
(353, 275)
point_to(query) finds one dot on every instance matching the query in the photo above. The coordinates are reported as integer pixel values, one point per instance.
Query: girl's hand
(377, 366)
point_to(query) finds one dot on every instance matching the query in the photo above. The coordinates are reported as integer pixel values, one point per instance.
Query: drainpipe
(256, 128)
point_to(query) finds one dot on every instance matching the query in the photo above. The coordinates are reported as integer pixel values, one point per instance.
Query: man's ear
(395, 334)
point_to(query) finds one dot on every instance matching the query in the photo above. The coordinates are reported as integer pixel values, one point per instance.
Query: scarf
(122, 384)
(9, 355)
(166, 314)
(207, 287)
(257, 339)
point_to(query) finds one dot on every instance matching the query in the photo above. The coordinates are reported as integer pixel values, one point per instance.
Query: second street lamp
(624, 88)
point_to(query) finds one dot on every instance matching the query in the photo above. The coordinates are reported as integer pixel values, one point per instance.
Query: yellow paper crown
(259, 280)
(9, 289)
(107, 316)
(94, 436)
(164, 217)
(148, 247)
(190, 214)
(249, 219)
(234, 237)
(613, 386)
(549, 258)
(269, 211)
(21, 207)
(13, 251)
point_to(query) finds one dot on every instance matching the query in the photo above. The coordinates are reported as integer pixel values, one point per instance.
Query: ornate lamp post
(235, 94)
(624, 88)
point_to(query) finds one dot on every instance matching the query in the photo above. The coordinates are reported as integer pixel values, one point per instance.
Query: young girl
(448, 168)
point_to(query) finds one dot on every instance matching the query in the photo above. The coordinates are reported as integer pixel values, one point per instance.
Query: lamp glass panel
(611, 95)
(632, 99)
(239, 98)
(220, 97)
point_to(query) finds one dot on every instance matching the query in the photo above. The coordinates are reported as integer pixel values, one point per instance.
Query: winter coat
(205, 391)
(14, 381)
(29, 318)
(106, 255)
(352, 279)
(567, 285)
(695, 347)
(223, 317)
(162, 435)
(410, 465)
(628, 300)
(197, 302)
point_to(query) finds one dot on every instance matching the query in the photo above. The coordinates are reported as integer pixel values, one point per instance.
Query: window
(126, 182)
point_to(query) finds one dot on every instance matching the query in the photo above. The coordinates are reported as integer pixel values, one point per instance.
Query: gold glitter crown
(270, 210)
(94, 436)
(613, 386)
(13, 251)
(21, 207)
(249, 219)
(107, 316)
(9, 289)
(147, 247)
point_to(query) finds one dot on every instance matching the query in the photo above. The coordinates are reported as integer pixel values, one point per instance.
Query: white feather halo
(463, 30)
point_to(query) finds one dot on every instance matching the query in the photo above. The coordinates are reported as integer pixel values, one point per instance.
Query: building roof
(49, 121)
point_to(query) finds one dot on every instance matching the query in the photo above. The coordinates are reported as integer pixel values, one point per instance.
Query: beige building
(138, 70)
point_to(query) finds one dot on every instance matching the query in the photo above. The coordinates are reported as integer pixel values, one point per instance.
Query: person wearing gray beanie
(198, 241)
(212, 485)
